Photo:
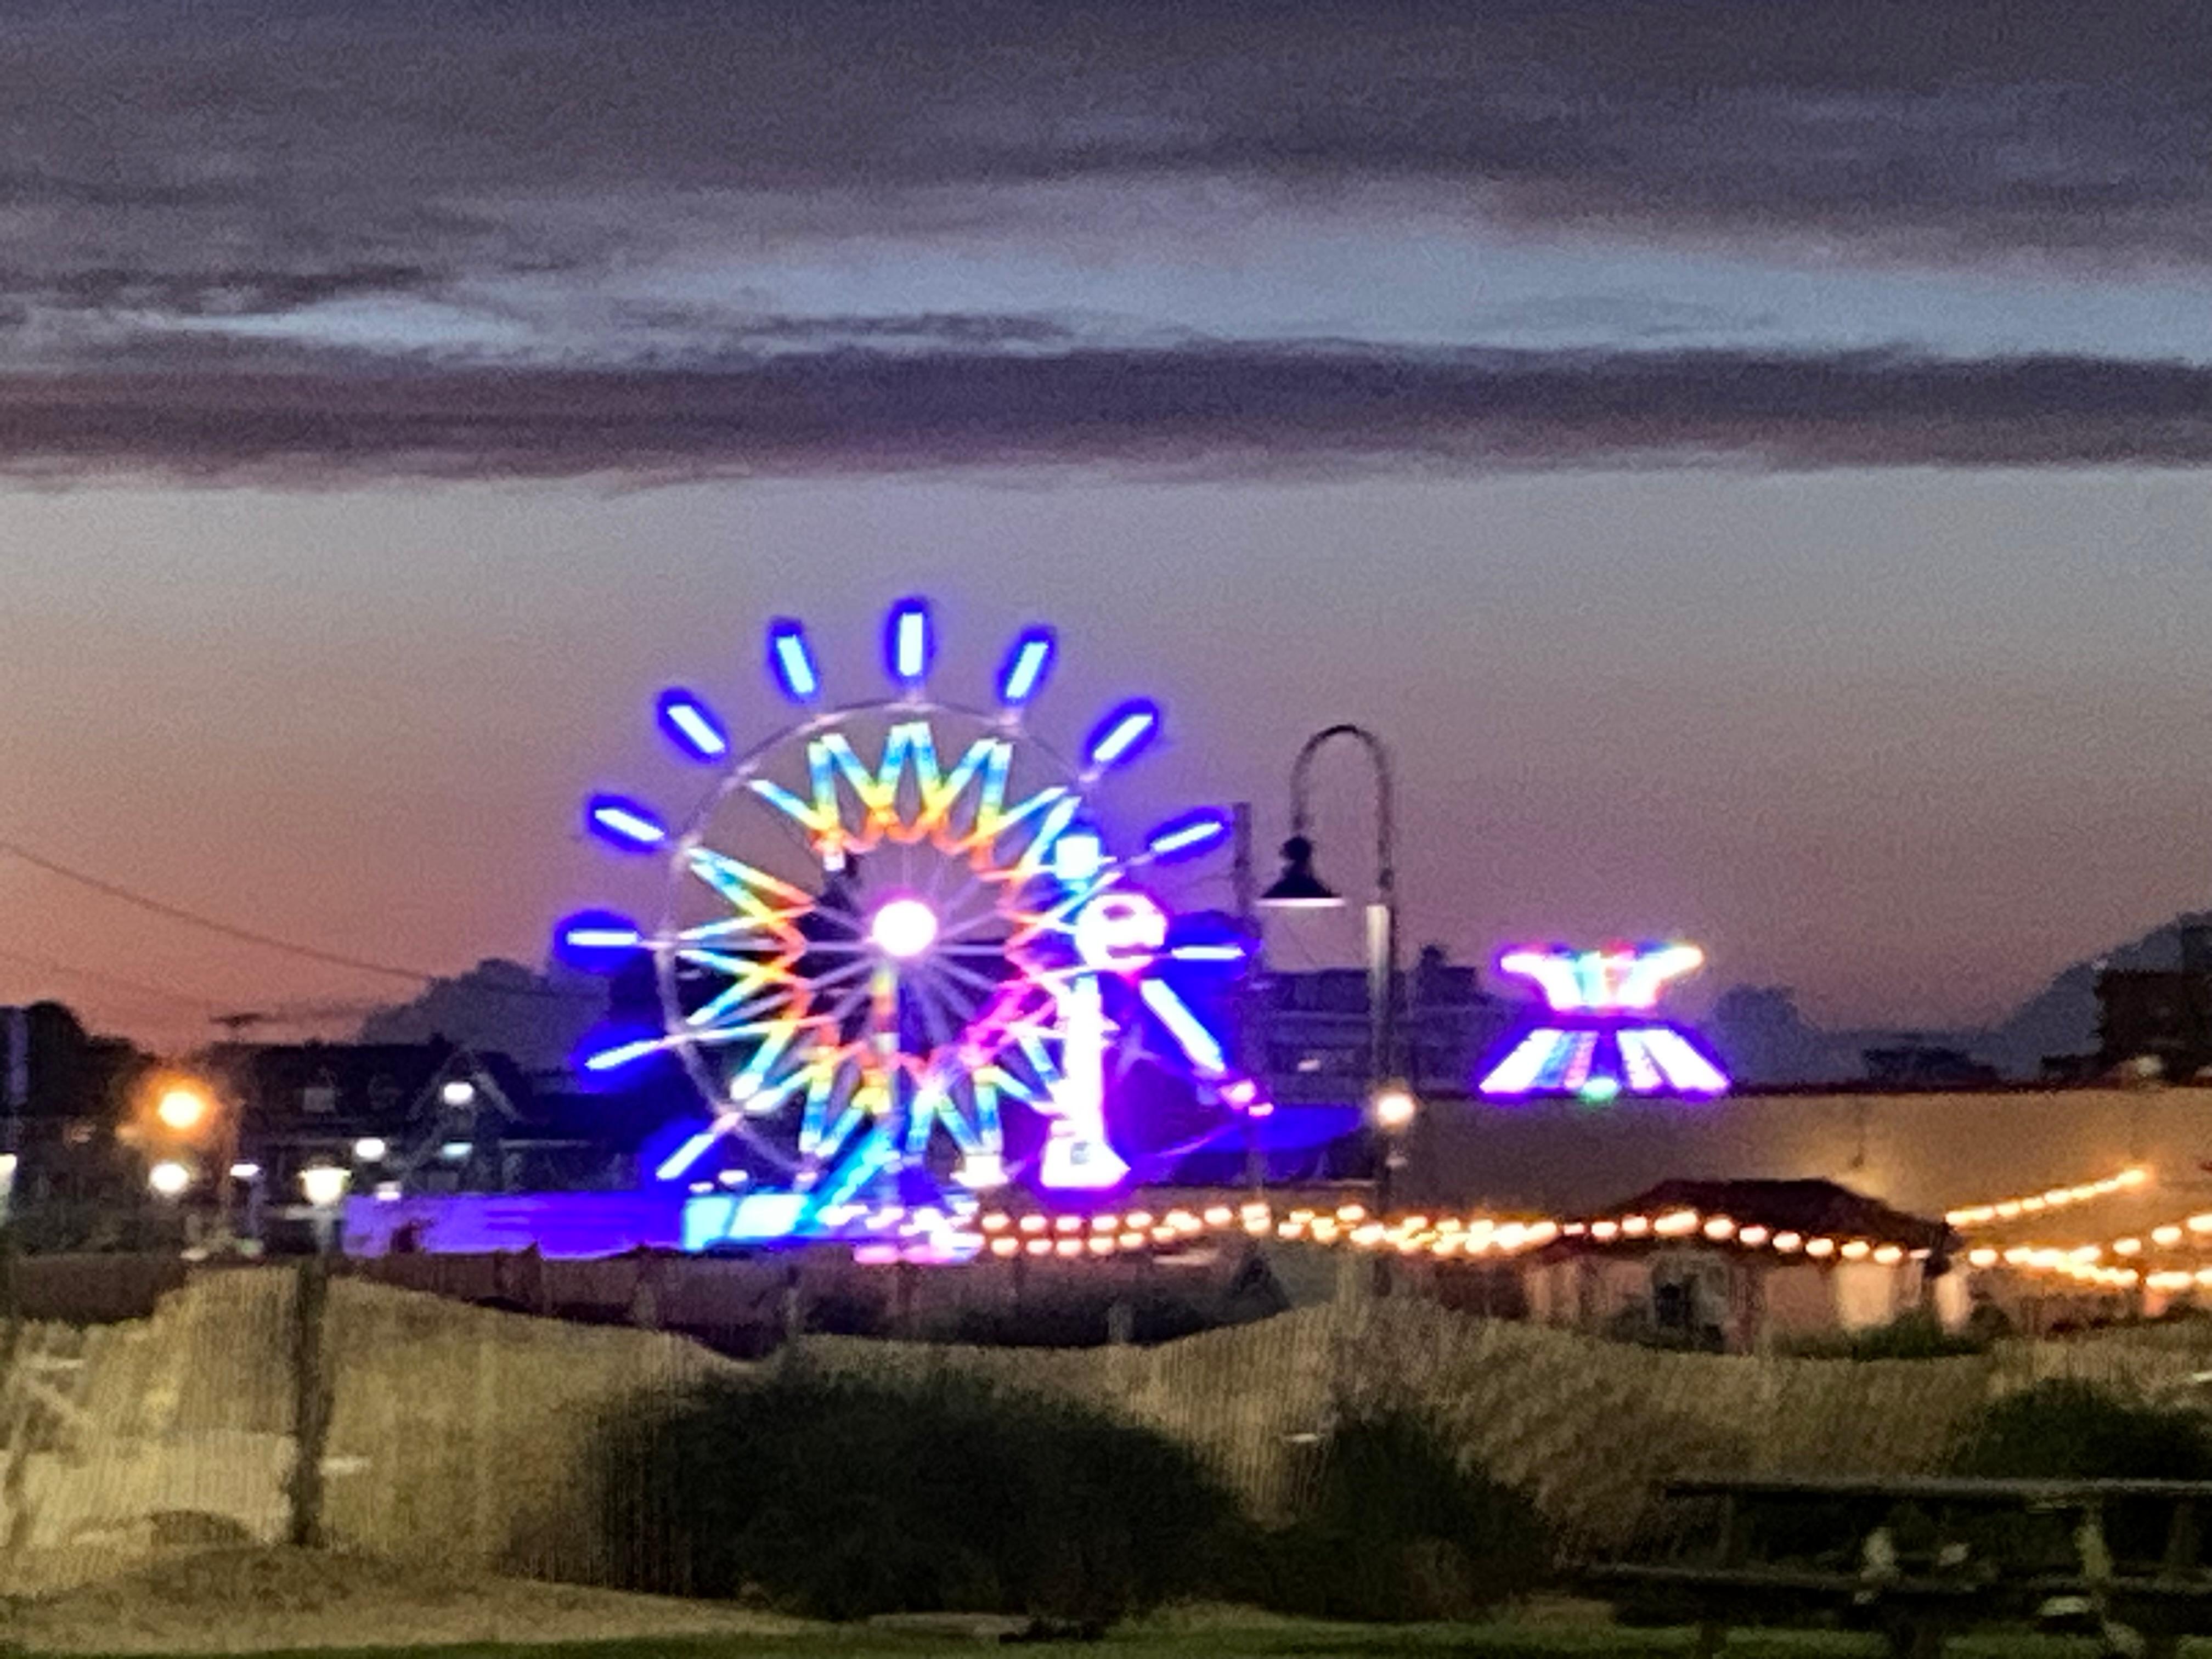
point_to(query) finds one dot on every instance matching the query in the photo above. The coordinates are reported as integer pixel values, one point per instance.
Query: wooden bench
(1972, 1577)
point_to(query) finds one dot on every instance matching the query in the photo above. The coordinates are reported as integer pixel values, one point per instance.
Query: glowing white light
(1077, 1154)
(325, 1185)
(903, 927)
(793, 661)
(1208, 953)
(603, 939)
(1025, 667)
(243, 1171)
(688, 1154)
(370, 1149)
(1123, 733)
(1394, 1107)
(1689, 1071)
(1119, 933)
(1078, 857)
(455, 1152)
(692, 727)
(181, 1109)
(607, 1059)
(1516, 1074)
(626, 823)
(910, 641)
(1188, 835)
(459, 1092)
(1199, 1044)
(169, 1178)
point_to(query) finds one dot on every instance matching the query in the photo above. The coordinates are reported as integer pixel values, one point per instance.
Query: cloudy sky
(1747, 455)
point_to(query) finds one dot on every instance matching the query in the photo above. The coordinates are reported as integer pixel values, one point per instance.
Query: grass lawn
(1270, 1639)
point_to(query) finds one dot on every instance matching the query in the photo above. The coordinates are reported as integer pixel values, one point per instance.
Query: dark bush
(1393, 1528)
(1915, 1335)
(1075, 1323)
(2066, 1430)
(840, 1498)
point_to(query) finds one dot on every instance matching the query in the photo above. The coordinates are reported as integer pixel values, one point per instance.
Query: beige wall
(1922, 1153)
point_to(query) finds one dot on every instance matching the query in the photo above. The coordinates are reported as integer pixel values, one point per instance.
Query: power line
(246, 935)
(113, 982)
(193, 919)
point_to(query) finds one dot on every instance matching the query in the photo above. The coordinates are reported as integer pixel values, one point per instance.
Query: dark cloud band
(1211, 411)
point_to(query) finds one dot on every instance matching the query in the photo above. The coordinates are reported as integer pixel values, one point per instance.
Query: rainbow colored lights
(1599, 1040)
(899, 958)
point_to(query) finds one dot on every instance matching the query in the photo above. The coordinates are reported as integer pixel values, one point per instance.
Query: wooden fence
(257, 1405)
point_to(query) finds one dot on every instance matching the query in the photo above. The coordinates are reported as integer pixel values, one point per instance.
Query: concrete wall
(1922, 1153)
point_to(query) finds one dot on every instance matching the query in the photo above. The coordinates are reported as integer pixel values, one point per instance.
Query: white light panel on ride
(1602, 1038)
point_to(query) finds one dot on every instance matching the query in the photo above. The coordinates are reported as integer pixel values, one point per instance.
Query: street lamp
(324, 1185)
(169, 1178)
(182, 1107)
(1390, 1104)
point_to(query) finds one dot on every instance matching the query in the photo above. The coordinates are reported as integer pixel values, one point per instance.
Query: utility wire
(193, 919)
(112, 981)
(246, 935)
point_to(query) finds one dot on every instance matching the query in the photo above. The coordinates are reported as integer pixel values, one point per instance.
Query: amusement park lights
(791, 660)
(1027, 663)
(908, 643)
(898, 955)
(903, 927)
(623, 824)
(1124, 734)
(1981, 1215)
(1598, 1039)
(692, 727)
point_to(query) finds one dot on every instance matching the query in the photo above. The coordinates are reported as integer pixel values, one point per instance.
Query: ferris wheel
(894, 953)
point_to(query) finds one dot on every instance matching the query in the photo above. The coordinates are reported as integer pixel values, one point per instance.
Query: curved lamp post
(1390, 1104)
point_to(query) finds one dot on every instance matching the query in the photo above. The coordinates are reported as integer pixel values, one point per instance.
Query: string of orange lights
(1008, 1234)
(2057, 1197)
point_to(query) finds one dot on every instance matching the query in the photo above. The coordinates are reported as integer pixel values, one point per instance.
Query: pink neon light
(1604, 1041)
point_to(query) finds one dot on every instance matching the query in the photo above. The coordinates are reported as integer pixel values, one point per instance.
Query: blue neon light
(596, 940)
(1026, 666)
(909, 641)
(691, 726)
(624, 823)
(607, 1060)
(688, 1154)
(1188, 835)
(1199, 1045)
(791, 660)
(1208, 953)
(716, 1218)
(1124, 733)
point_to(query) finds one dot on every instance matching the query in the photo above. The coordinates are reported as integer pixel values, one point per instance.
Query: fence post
(311, 1402)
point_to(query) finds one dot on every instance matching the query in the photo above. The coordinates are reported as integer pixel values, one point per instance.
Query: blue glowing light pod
(791, 660)
(691, 726)
(596, 940)
(909, 642)
(1028, 662)
(611, 1055)
(1186, 836)
(1126, 731)
(624, 823)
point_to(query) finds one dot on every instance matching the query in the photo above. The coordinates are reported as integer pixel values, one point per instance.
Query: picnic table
(1918, 1559)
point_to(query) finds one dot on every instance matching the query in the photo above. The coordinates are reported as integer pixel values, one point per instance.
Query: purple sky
(1747, 457)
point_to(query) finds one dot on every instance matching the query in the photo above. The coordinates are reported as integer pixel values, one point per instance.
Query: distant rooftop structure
(1315, 1030)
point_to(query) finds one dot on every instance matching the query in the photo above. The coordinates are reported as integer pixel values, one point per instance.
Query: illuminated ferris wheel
(896, 954)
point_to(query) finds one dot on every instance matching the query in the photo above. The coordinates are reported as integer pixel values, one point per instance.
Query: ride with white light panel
(1599, 1036)
(896, 955)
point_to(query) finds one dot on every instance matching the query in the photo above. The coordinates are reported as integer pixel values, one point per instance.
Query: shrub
(1916, 1334)
(839, 1498)
(1393, 1528)
(2065, 1429)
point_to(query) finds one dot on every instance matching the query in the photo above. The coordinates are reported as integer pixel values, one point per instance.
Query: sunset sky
(1748, 458)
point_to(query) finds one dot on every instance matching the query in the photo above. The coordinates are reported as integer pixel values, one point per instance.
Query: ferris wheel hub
(903, 927)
